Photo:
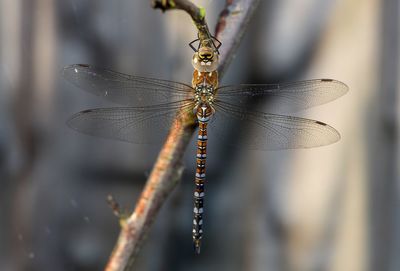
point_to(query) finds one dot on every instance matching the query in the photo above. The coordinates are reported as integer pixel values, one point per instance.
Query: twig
(121, 213)
(168, 168)
(198, 14)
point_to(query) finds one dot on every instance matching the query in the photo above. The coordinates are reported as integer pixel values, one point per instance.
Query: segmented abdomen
(199, 183)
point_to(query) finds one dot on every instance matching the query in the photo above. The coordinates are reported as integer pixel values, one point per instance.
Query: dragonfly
(151, 103)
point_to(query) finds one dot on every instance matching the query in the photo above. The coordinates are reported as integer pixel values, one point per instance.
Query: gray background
(331, 208)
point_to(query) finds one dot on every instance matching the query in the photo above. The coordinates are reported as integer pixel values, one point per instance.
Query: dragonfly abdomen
(203, 115)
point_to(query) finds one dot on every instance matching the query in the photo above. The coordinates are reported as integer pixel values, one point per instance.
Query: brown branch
(168, 168)
(164, 177)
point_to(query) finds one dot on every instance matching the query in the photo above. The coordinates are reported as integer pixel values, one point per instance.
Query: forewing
(284, 98)
(270, 131)
(125, 89)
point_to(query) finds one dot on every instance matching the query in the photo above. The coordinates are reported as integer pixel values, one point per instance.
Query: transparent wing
(269, 131)
(125, 89)
(284, 98)
(132, 124)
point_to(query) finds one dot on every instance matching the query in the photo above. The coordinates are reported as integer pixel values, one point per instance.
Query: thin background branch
(230, 29)
(168, 168)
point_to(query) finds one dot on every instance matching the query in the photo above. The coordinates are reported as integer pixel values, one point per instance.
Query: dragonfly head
(206, 54)
(205, 59)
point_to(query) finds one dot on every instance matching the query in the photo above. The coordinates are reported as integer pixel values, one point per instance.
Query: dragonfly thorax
(204, 94)
(204, 99)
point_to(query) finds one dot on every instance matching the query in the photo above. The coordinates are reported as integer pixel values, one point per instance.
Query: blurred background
(329, 208)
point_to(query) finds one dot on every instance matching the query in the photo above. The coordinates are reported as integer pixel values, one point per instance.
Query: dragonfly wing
(284, 98)
(125, 89)
(135, 125)
(270, 131)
